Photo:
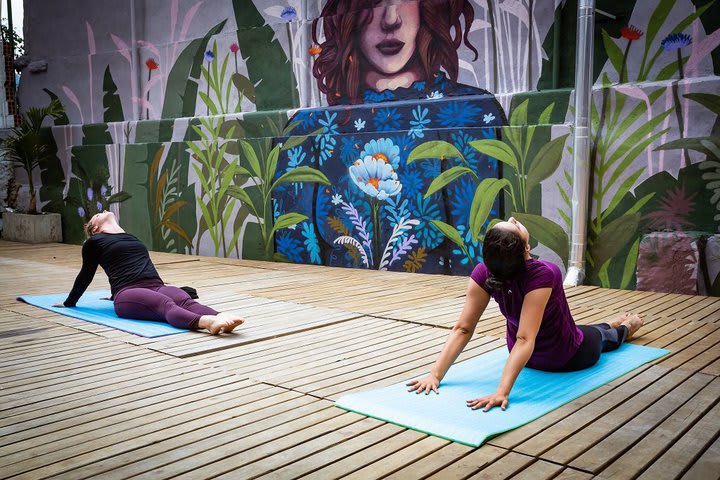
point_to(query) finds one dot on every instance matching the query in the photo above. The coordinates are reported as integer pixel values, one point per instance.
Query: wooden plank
(471, 463)
(698, 449)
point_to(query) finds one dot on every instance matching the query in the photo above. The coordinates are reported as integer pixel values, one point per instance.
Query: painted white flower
(337, 199)
(382, 149)
(435, 94)
(359, 124)
(292, 227)
(487, 118)
(375, 177)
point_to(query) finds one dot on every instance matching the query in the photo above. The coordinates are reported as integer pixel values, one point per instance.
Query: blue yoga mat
(535, 393)
(92, 308)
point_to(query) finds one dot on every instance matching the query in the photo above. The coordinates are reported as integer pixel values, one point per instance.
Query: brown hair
(89, 229)
(504, 255)
(337, 67)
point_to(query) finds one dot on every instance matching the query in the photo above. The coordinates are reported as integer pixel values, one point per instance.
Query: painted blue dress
(374, 214)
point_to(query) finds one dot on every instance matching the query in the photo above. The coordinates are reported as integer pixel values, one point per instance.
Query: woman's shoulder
(541, 272)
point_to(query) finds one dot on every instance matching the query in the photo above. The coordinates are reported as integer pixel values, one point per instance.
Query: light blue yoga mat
(92, 308)
(535, 393)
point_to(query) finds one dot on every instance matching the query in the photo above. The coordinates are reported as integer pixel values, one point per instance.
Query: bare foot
(619, 320)
(633, 323)
(231, 321)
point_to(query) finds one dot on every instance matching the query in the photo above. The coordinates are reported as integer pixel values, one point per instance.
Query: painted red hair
(337, 68)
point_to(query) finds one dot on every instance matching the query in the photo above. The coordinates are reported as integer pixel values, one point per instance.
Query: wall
(227, 129)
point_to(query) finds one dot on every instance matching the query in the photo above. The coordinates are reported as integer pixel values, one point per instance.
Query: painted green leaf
(293, 142)
(448, 177)
(244, 86)
(112, 106)
(546, 162)
(497, 150)
(707, 145)
(61, 119)
(546, 114)
(267, 64)
(482, 203)
(437, 149)
(272, 161)
(450, 232)
(518, 117)
(630, 264)
(240, 193)
(303, 174)
(180, 91)
(119, 197)
(614, 54)
(707, 100)
(287, 220)
(251, 157)
(546, 232)
(614, 237)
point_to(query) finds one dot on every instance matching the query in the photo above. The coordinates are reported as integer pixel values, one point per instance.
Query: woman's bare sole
(222, 322)
(619, 320)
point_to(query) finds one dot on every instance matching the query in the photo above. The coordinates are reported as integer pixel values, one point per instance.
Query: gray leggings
(596, 339)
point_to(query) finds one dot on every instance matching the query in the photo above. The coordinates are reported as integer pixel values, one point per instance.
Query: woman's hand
(59, 305)
(427, 384)
(489, 401)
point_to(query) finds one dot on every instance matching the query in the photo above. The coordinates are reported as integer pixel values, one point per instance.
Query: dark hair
(337, 67)
(504, 255)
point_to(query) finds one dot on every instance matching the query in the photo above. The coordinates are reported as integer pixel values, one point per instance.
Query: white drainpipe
(581, 144)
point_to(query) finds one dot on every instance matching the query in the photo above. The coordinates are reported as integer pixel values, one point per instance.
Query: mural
(389, 135)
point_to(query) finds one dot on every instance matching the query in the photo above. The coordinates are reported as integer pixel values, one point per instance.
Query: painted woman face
(388, 41)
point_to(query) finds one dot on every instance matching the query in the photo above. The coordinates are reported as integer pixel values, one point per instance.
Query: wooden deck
(78, 400)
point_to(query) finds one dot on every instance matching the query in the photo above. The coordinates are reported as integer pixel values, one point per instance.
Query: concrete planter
(22, 227)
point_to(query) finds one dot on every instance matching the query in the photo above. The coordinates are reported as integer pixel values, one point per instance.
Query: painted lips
(390, 47)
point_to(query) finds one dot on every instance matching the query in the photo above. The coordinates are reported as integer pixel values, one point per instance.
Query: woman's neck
(378, 81)
(111, 229)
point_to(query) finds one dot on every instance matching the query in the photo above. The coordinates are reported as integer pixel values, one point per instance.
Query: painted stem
(593, 155)
(376, 233)
(147, 109)
(678, 109)
(624, 62)
(495, 45)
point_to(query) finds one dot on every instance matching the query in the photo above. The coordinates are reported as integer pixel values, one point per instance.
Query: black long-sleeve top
(123, 257)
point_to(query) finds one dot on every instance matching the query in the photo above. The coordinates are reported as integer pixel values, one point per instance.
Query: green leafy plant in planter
(25, 148)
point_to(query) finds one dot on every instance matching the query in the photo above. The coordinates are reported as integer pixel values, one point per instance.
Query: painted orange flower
(314, 50)
(151, 64)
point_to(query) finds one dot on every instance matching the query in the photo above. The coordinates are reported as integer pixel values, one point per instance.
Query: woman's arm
(530, 320)
(87, 272)
(476, 301)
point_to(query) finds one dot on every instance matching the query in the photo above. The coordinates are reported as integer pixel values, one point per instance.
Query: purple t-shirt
(558, 338)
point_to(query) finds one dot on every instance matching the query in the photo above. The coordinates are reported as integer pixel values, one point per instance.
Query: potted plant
(25, 149)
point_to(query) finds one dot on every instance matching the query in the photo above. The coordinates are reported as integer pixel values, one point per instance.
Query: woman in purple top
(137, 290)
(541, 332)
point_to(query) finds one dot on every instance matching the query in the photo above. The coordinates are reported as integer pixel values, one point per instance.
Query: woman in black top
(137, 290)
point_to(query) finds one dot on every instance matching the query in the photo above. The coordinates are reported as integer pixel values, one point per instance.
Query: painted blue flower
(99, 206)
(288, 14)
(459, 114)
(337, 199)
(435, 95)
(412, 180)
(375, 177)
(296, 157)
(397, 209)
(371, 96)
(382, 149)
(209, 56)
(387, 119)
(81, 212)
(359, 124)
(405, 143)
(425, 210)
(327, 140)
(419, 86)
(473, 247)
(419, 123)
(488, 117)
(431, 168)
(463, 193)
(462, 141)
(348, 149)
(90, 193)
(103, 190)
(289, 246)
(311, 242)
(675, 41)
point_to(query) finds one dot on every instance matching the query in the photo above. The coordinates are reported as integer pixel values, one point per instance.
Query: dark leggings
(160, 303)
(596, 339)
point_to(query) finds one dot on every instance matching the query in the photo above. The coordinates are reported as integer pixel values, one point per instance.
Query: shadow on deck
(79, 400)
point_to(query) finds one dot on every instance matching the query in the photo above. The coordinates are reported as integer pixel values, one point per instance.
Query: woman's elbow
(463, 330)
